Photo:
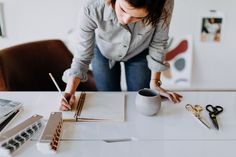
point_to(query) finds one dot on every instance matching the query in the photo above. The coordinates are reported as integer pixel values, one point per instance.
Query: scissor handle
(196, 109)
(214, 109)
(189, 107)
(219, 109)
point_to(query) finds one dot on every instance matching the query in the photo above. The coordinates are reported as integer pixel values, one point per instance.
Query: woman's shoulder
(96, 8)
(94, 3)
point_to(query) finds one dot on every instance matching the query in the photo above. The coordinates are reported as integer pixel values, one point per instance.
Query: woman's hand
(173, 97)
(64, 105)
(71, 86)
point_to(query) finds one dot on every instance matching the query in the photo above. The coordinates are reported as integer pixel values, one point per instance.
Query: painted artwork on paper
(212, 26)
(179, 56)
(211, 29)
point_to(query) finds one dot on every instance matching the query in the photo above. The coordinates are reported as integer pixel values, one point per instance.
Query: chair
(25, 67)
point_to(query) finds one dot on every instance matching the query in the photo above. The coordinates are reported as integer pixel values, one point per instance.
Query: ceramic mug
(148, 101)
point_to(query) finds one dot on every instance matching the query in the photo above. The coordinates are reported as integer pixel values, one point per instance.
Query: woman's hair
(156, 10)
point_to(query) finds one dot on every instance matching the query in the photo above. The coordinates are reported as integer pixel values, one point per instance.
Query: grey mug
(148, 101)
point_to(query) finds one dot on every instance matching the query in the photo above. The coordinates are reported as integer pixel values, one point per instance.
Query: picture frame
(2, 26)
(212, 27)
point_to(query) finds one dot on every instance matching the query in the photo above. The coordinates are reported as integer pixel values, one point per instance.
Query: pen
(55, 83)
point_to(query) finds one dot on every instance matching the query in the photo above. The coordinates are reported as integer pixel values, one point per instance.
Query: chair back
(25, 67)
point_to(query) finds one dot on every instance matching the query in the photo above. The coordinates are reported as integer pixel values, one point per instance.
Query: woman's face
(128, 14)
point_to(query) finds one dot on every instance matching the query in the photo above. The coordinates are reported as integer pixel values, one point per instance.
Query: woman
(109, 32)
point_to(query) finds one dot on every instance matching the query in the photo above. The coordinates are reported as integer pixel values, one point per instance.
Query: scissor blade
(215, 123)
(203, 122)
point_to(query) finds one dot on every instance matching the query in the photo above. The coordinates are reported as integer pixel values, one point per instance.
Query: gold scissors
(196, 110)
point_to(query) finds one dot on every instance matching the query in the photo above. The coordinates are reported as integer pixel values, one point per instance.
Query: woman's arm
(81, 43)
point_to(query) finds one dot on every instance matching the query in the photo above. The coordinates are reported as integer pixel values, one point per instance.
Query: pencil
(55, 83)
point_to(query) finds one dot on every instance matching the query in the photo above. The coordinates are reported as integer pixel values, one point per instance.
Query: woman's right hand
(70, 90)
(71, 100)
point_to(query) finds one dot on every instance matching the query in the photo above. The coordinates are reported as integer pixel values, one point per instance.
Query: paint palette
(13, 139)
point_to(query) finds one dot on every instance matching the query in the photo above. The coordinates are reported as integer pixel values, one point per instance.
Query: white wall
(213, 64)
(27, 20)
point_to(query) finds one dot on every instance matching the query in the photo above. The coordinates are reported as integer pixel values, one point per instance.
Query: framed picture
(2, 30)
(211, 27)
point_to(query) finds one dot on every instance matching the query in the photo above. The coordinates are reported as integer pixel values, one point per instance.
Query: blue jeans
(136, 71)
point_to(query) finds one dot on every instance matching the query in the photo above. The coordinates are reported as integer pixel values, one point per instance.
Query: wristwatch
(157, 82)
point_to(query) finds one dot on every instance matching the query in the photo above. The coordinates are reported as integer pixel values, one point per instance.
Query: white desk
(173, 132)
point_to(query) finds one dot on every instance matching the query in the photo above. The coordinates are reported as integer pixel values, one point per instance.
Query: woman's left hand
(173, 97)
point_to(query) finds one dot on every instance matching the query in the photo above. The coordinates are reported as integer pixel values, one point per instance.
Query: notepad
(6, 122)
(97, 106)
(9, 109)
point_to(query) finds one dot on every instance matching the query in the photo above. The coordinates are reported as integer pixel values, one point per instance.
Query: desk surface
(173, 131)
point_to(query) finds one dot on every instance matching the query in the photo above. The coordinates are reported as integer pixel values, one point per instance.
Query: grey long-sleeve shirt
(98, 23)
